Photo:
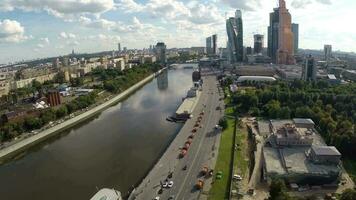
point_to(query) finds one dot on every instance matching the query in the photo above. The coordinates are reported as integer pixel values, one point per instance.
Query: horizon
(45, 29)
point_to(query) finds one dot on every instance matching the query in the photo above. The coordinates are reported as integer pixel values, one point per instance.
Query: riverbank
(13, 150)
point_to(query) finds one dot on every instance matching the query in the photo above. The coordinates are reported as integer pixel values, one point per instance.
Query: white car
(165, 185)
(237, 177)
(170, 184)
(156, 198)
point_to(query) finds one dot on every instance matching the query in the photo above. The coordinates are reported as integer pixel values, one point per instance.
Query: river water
(115, 149)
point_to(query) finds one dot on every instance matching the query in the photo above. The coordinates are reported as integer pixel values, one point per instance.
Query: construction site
(292, 150)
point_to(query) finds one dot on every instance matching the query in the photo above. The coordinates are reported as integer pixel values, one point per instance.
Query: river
(115, 149)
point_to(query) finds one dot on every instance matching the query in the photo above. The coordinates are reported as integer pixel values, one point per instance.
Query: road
(202, 152)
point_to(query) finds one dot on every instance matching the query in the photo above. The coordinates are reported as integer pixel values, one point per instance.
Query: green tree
(278, 190)
(61, 112)
(348, 194)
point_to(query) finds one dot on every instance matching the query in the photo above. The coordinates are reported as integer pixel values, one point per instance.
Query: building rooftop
(294, 161)
(255, 78)
(326, 151)
(303, 121)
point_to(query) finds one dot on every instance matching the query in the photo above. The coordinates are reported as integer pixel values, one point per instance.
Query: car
(170, 184)
(237, 177)
(171, 197)
(165, 185)
(156, 198)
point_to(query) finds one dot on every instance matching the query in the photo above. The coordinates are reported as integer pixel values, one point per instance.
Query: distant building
(285, 52)
(54, 98)
(215, 44)
(234, 29)
(309, 69)
(119, 47)
(65, 61)
(161, 53)
(327, 52)
(209, 43)
(55, 63)
(258, 43)
(248, 50)
(295, 30)
(273, 31)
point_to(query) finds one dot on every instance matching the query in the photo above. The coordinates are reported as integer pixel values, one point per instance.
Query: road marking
(197, 152)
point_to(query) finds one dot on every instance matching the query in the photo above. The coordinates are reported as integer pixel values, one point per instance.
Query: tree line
(331, 107)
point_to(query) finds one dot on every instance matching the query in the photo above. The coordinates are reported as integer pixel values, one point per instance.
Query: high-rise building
(215, 44)
(55, 63)
(309, 69)
(209, 45)
(285, 53)
(327, 51)
(119, 47)
(258, 43)
(234, 29)
(273, 31)
(161, 53)
(295, 30)
(248, 50)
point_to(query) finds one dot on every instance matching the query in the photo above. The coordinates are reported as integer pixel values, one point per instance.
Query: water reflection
(162, 80)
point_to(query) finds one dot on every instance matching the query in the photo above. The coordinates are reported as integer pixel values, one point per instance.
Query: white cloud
(247, 5)
(11, 31)
(64, 35)
(45, 40)
(60, 8)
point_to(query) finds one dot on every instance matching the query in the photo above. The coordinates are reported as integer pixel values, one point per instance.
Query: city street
(202, 152)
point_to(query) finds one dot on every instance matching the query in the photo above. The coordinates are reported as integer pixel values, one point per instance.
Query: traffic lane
(204, 153)
(178, 174)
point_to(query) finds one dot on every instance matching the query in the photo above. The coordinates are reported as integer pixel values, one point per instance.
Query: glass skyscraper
(234, 29)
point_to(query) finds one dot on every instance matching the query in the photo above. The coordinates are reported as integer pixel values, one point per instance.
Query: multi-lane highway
(202, 152)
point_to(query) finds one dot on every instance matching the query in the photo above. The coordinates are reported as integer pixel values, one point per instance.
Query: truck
(200, 184)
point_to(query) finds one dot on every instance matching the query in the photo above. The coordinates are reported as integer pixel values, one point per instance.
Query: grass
(241, 163)
(220, 188)
(350, 166)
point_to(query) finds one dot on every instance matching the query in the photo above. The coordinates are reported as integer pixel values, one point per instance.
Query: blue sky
(40, 28)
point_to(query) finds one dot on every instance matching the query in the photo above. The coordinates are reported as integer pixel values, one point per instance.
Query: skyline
(45, 28)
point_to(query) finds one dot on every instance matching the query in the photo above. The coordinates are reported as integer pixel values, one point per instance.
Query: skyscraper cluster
(283, 36)
(234, 28)
(212, 45)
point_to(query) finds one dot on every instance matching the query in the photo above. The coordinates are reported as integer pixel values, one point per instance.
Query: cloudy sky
(40, 28)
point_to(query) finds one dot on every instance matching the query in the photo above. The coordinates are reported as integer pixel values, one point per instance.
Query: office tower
(234, 29)
(285, 53)
(161, 53)
(273, 31)
(295, 30)
(215, 44)
(209, 48)
(258, 43)
(327, 51)
(119, 47)
(248, 50)
(309, 69)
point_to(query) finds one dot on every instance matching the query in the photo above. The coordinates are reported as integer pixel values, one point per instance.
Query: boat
(107, 194)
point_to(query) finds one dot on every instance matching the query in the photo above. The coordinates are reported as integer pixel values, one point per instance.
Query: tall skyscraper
(161, 53)
(285, 53)
(215, 44)
(119, 47)
(327, 51)
(273, 31)
(309, 69)
(209, 48)
(258, 43)
(295, 30)
(234, 29)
